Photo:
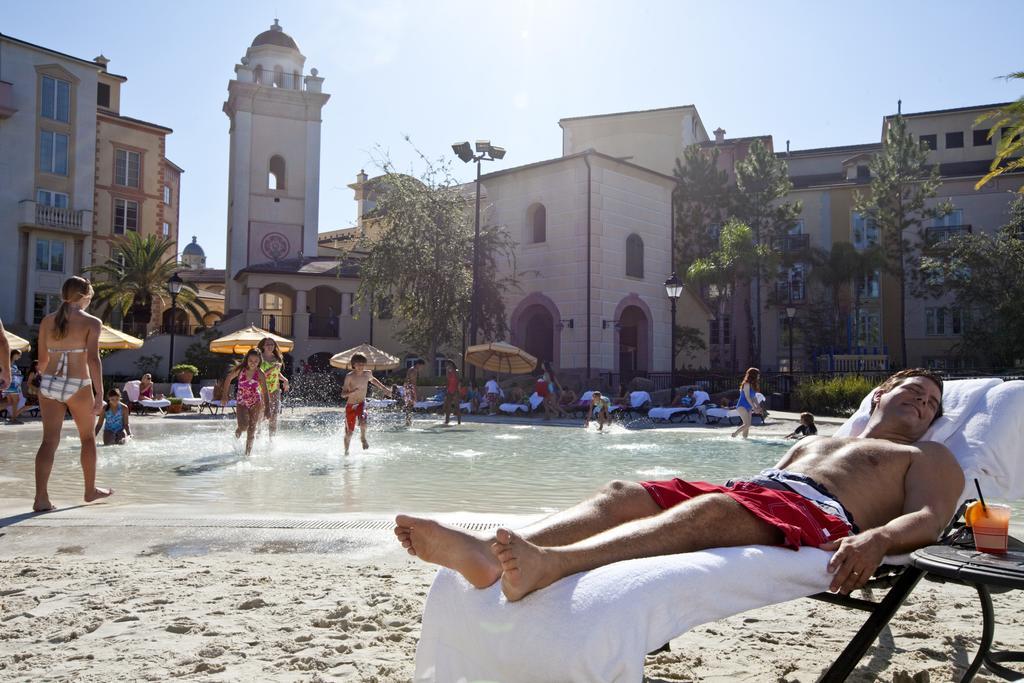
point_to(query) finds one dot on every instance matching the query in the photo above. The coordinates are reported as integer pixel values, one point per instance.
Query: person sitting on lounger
(884, 492)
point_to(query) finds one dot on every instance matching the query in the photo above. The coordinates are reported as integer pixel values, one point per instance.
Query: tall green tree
(985, 274)
(702, 198)
(421, 256)
(728, 267)
(1011, 143)
(902, 184)
(840, 269)
(762, 183)
(136, 278)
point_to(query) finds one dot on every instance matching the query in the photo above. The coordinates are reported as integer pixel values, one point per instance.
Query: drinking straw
(980, 497)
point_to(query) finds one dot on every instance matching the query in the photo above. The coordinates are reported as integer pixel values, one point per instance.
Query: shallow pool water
(475, 467)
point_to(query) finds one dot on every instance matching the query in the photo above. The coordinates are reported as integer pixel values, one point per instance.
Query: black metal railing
(323, 326)
(937, 237)
(183, 329)
(794, 242)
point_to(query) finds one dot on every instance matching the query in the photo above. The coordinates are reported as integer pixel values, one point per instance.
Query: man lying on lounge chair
(882, 493)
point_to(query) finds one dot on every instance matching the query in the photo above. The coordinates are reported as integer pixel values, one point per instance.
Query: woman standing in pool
(747, 403)
(271, 363)
(250, 404)
(72, 380)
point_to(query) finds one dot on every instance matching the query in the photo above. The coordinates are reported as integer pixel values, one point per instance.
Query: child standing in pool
(599, 406)
(250, 403)
(409, 388)
(271, 363)
(353, 392)
(452, 397)
(114, 420)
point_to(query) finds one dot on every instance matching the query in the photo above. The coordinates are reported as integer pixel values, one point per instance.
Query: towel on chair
(597, 625)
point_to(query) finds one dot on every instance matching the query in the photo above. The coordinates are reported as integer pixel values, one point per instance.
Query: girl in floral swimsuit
(250, 401)
(271, 363)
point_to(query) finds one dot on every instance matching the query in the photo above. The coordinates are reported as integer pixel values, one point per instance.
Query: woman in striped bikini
(250, 402)
(72, 380)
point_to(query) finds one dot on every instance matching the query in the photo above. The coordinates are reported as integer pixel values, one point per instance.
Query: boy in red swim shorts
(353, 391)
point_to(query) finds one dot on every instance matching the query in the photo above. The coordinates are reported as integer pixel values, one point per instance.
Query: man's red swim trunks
(800, 521)
(353, 413)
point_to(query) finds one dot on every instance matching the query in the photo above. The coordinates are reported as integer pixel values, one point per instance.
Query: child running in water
(252, 388)
(353, 392)
(114, 420)
(409, 389)
(599, 406)
(452, 396)
(271, 363)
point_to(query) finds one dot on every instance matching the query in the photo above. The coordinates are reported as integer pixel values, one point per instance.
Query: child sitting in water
(114, 420)
(806, 428)
(599, 406)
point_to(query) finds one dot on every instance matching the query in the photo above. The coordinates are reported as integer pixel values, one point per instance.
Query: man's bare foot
(98, 493)
(449, 547)
(525, 567)
(366, 444)
(43, 506)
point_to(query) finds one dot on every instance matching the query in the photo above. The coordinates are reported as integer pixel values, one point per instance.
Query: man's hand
(856, 559)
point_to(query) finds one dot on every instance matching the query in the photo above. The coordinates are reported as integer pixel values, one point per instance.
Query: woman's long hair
(276, 352)
(244, 363)
(74, 290)
(750, 377)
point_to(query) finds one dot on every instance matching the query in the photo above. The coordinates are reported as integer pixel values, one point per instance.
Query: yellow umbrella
(375, 358)
(17, 343)
(501, 357)
(116, 339)
(241, 341)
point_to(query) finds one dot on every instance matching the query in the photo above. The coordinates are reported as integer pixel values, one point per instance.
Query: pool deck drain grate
(230, 523)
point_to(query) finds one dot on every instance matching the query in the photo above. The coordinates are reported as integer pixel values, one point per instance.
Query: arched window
(278, 76)
(275, 180)
(257, 74)
(634, 256)
(537, 223)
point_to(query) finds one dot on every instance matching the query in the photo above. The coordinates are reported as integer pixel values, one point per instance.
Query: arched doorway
(177, 319)
(539, 333)
(633, 342)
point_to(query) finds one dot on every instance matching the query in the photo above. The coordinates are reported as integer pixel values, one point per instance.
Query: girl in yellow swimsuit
(271, 363)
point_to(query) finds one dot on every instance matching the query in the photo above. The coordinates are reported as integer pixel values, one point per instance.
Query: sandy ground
(102, 600)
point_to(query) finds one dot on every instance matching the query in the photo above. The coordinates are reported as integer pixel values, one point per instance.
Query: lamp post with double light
(174, 287)
(674, 289)
(485, 151)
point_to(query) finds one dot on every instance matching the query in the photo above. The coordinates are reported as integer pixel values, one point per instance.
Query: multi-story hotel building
(74, 173)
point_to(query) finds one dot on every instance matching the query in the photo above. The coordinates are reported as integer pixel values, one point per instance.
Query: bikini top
(62, 362)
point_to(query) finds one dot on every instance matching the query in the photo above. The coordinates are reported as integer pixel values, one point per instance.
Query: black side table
(961, 563)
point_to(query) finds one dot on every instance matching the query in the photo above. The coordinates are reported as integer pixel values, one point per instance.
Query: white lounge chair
(132, 391)
(210, 403)
(184, 392)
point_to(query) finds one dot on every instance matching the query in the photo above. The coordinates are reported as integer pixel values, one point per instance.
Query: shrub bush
(836, 396)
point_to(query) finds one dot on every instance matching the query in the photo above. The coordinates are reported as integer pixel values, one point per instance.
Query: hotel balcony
(937, 239)
(6, 100)
(35, 215)
(790, 243)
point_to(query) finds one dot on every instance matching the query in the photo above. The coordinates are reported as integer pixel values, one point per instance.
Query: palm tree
(845, 266)
(1011, 142)
(136, 277)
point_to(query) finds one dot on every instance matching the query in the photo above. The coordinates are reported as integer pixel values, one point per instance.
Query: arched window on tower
(634, 256)
(278, 76)
(537, 223)
(257, 74)
(275, 179)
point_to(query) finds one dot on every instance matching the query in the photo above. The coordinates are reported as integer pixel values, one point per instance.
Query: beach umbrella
(116, 339)
(501, 357)
(375, 358)
(17, 343)
(241, 341)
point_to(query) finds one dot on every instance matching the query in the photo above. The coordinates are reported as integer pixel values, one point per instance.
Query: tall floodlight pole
(485, 151)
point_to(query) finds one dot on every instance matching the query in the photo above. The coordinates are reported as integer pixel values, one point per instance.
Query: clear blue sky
(817, 74)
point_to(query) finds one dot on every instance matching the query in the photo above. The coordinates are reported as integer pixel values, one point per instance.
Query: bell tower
(274, 158)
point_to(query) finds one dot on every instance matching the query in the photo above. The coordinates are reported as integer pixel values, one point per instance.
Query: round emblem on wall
(275, 246)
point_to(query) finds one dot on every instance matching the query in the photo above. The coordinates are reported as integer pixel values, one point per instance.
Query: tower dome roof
(193, 249)
(275, 36)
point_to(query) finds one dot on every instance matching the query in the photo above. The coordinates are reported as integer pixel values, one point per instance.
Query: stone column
(300, 324)
(253, 314)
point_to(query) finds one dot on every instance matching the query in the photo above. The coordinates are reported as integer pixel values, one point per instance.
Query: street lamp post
(174, 287)
(674, 289)
(485, 151)
(790, 314)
